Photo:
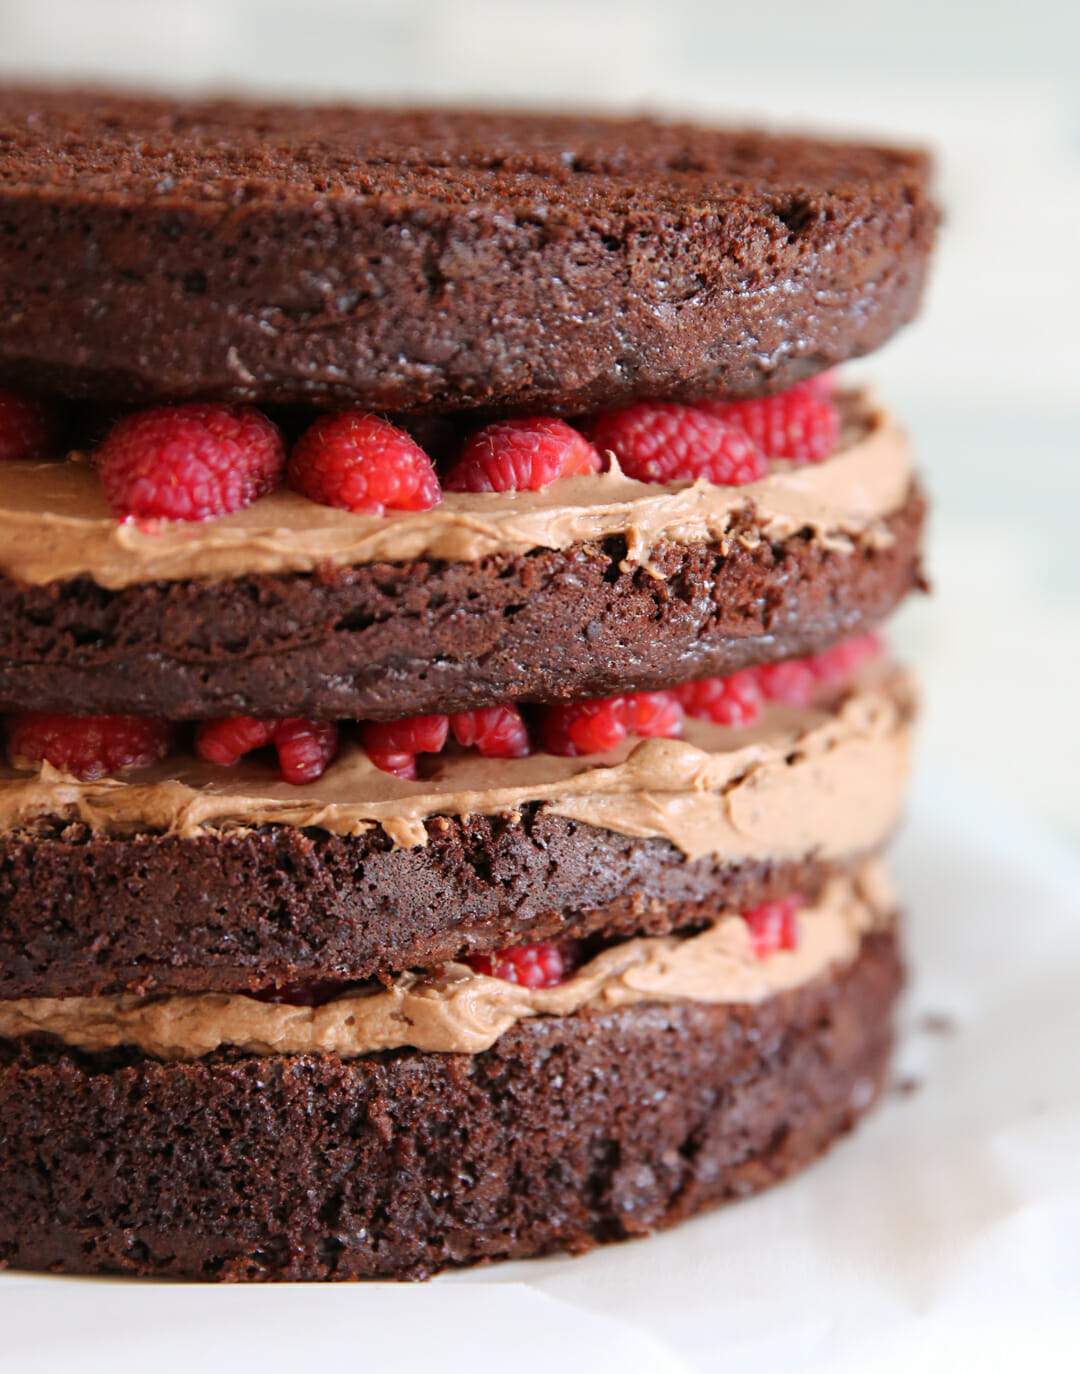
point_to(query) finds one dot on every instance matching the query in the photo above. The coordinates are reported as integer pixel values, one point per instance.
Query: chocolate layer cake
(569, 1131)
(593, 586)
(163, 882)
(426, 840)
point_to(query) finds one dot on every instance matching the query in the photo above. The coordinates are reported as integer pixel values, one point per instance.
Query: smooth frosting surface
(827, 779)
(55, 523)
(463, 1011)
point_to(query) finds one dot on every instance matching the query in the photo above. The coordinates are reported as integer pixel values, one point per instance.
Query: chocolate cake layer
(434, 260)
(569, 1131)
(81, 916)
(382, 641)
(188, 871)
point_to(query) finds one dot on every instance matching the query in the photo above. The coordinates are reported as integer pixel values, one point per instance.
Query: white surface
(944, 1235)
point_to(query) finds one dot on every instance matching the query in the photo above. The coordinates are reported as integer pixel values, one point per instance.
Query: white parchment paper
(944, 1235)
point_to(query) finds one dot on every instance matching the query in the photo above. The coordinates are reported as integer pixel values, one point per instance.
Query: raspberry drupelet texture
(305, 748)
(653, 714)
(798, 680)
(359, 462)
(586, 727)
(774, 925)
(87, 747)
(225, 742)
(660, 441)
(496, 732)
(594, 727)
(793, 681)
(735, 700)
(543, 965)
(522, 455)
(843, 660)
(190, 462)
(29, 427)
(801, 424)
(393, 745)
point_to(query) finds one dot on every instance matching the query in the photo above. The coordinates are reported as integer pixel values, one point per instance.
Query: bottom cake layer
(569, 1131)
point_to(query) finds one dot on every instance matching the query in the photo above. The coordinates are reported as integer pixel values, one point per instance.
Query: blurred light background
(988, 378)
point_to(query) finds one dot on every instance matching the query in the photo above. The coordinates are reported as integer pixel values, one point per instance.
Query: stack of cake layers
(578, 923)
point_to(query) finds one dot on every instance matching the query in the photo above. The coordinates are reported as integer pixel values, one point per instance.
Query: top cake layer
(434, 261)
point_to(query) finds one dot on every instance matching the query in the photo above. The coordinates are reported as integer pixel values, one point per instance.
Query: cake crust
(432, 261)
(570, 1131)
(384, 641)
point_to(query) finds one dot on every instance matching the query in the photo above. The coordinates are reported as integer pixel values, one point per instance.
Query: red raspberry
(307, 992)
(802, 423)
(659, 441)
(225, 742)
(400, 764)
(586, 727)
(190, 462)
(792, 681)
(842, 661)
(29, 427)
(734, 700)
(522, 455)
(654, 714)
(393, 745)
(361, 463)
(498, 732)
(87, 747)
(796, 680)
(542, 965)
(822, 383)
(304, 747)
(594, 727)
(774, 925)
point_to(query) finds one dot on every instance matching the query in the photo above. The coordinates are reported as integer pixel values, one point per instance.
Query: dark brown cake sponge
(567, 1132)
(81, 915)
(384, 641)
(434, 260)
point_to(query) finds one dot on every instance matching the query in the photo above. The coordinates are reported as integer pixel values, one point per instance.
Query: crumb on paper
(938, 1023)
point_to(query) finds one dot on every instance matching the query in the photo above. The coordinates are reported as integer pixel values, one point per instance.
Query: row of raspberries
(197, 461)
(772, 927)
(91, 747)
(596, 727)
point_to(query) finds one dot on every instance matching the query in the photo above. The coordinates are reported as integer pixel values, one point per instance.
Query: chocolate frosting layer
(459, 1010)
(818, 779)
(56, 525)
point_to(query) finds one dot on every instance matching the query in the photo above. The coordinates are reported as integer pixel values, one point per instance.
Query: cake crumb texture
(432, 261)
(570, 1131)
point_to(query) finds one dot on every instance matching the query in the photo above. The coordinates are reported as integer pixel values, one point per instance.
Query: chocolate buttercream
(824, 779)
(458, 1010)
(55, 523)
